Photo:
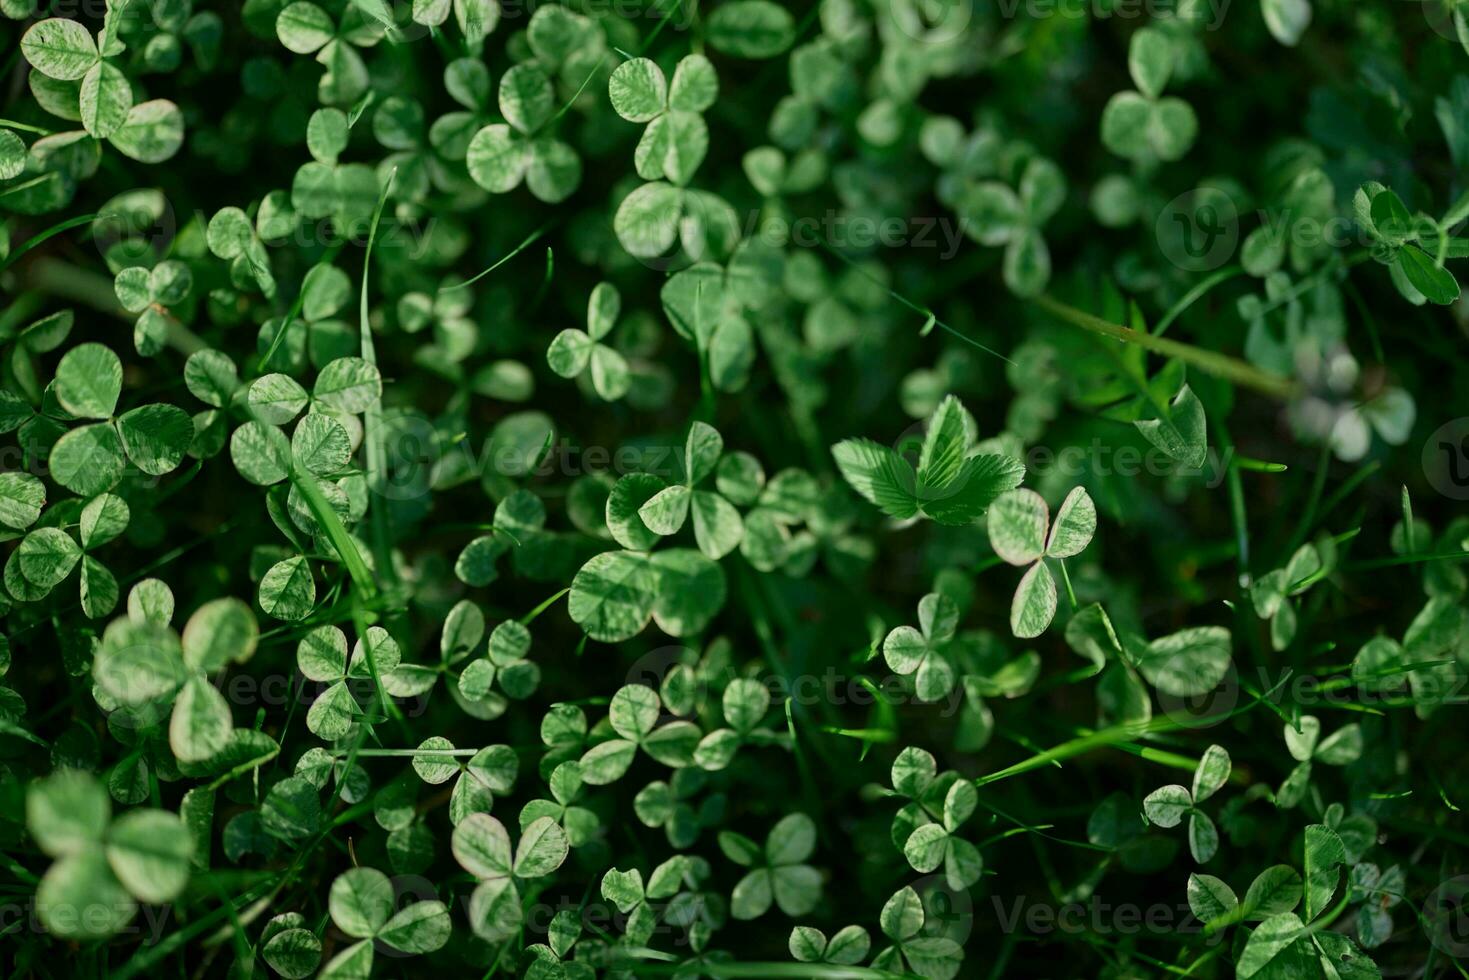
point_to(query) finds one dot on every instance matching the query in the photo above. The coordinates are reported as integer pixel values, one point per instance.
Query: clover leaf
(362, 906)
(104, 867)
(572, 350)
(482, 847)
(1022, 533)
(1168, 805)
(778, 873)
(502, 155)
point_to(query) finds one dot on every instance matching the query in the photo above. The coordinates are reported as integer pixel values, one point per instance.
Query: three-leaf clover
(670, 805)
(996, 215)
(502, 155)
(672, 147)
(1167, 805)
(323, 186)
(581, 825)
(46, 556)
(924, 652)
(1378, 891)
(361, 902)
(151, 293)
(631, 897)
(633, 716)
(1021, 532)
(1305, 744)
(305, 28)
(1144, 124)
(717, 525)
(572, 350)
(289, 947)
(92, 457)
(102, 96)
(925, 829)
(505, 663)
(1272, 592)
(490, 771)
(103, 867)
(482, 847)
(778, 872)
(745, 702)
(902, 920)
(321, 656)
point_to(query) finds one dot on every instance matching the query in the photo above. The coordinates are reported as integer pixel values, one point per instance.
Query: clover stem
(1066, 578)
(1211, 362)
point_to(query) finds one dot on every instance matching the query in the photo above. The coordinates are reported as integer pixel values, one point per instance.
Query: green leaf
(1188, 663)
(879, 474)
(348, 385)
(1435, 282)
(106, 98)
(1076, 522)
(1209, 898)
(981, 481)
(59, 48)
(46, 556)
(1150, 60)
(152, 133)
(293, 953)
(1276, 948)
(22, 497)
(1212, 773)
(542, 849)
(261, 453)
(420, 928)
(613, 595)
(67, 812)
(156, 437)
(1287, 19)
(287, 591)
(638, 90)
(1182, 435)
(526, 98)
(695, 84)
(1167, 805)
(304, 27)
(1034, 604)
(80, 898)
(1322, 856)
(361, 902)
(647, 221)
(149, 851)
(201, 722)
(481, 845)
(88, 378)
(945, 445)
(751, 29)
(1017, 526)
(1275, 891)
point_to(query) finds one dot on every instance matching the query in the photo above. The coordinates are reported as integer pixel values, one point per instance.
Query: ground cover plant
(657, 488)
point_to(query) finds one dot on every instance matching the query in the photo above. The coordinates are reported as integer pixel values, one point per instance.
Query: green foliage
(733, 489)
